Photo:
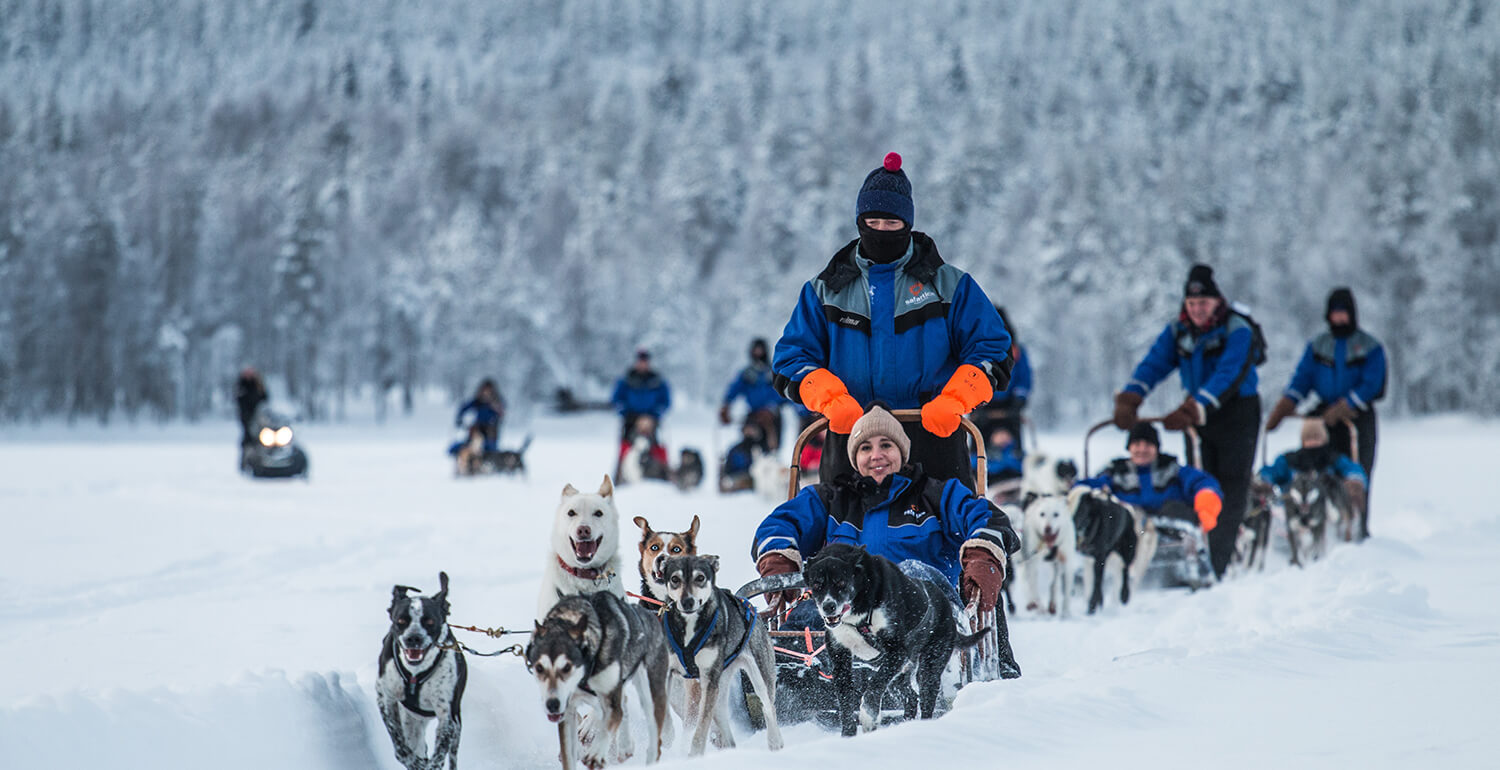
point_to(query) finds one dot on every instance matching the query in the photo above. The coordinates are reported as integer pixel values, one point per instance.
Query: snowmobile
(804, 682)
(1180, 557)
(272, 452)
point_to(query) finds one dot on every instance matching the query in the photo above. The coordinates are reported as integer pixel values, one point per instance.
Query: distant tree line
(365, 196)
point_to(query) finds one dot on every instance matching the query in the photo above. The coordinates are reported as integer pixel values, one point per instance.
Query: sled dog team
(678, 648)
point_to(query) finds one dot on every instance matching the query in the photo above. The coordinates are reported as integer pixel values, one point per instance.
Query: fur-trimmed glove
(1339, 412)
(1283, 409)
(983, 575)
(778, 564)
(823, 392)
(1189, 413)
(1126, 402)
(1207, 505)
(966, 389)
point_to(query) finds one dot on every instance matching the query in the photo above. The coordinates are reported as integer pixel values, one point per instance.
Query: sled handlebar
(1192, 436)
(903, 415)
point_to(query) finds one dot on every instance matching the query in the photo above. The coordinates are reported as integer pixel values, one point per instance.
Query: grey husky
(586, 649)
(712, 635)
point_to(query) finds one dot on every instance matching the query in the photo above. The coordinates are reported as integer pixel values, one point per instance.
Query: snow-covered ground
(157, 610)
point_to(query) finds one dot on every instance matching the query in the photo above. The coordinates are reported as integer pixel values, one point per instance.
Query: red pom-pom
(892, 162)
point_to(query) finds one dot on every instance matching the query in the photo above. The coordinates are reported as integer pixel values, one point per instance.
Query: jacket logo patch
(919, 293)
(849, 320)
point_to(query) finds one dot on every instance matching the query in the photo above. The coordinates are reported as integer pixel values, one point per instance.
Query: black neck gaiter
(1342, 331)
(883, 246)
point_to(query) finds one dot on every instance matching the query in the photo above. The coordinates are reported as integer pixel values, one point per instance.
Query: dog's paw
(593, 760)
(588, 729)
(1032, 606)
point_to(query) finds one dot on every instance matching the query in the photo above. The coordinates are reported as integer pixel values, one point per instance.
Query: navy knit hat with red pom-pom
(887, 191)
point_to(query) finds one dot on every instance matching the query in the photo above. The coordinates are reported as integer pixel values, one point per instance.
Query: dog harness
(686, 654)
(414, 684)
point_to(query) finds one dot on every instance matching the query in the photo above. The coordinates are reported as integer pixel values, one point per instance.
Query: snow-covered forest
(376, 193)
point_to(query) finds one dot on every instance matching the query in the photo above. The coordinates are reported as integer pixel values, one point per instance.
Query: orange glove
(1208, 505)
(822, 391)
(966, 389)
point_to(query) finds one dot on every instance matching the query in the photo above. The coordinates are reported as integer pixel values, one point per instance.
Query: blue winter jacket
(1152, 486)
(754, 385)
(485, 413)
(893, 332)
(1215, 366)
(1287, 463)
(1001, 463)
(1019, 390)
(1353, 369)
(638, 393)
(909, 516)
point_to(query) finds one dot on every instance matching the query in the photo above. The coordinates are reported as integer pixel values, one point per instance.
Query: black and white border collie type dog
(421, 680)
(901, 626)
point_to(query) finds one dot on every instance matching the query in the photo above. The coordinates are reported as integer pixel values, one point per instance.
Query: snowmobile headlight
(267, 437)
(283, 436)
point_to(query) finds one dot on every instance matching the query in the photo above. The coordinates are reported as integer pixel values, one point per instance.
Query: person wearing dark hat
(935, 529)
(761, 397)
(1214, 350)
(887, 319)
(640, 392)
(489, 411)
(1345, 367)
(1160, 485)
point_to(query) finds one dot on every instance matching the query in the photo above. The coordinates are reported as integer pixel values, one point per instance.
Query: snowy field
(157, 610)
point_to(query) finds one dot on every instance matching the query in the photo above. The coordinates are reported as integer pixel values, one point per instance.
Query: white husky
(1049, 545)
(585, 555)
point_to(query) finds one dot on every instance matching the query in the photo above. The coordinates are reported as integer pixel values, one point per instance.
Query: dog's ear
(713, 563)
(640, 521)
(569, 491)
(692, 533)
(441, 597)
(398, 595)
(606, 489)
(579, 627)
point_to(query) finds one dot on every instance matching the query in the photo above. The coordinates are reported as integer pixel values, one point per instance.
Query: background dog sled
(1172, 552)
(804, 688)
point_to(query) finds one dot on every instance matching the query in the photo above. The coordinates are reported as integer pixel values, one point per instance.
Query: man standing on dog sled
(1345, 366)
(935, 529)
(1215, 350)
(888, 320)
(754, 385)
(641, 392)
(489, 411)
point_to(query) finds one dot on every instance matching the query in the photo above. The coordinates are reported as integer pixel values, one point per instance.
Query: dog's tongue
(554, 717)
(414, 655)
(585, 549)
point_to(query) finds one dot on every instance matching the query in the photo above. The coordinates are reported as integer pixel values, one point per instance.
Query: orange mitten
(966, 389)
(1208, 505)
(823, 392)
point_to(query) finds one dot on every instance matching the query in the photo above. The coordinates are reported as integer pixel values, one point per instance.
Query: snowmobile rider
(1158, 484)
(1215, 351)
(754, 385)
(1346, 368)
(887, 319)
(935, 529)
(249, 394)
(489, 412)
(640, 392)
(1316, 454)
(1009, 402)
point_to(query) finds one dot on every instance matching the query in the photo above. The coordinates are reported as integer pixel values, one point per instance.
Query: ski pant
(941, 458)
(1228, 454)
(1338, 436)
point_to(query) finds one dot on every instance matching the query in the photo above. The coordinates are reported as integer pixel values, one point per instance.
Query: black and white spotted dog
(420, 680)
(902, 626)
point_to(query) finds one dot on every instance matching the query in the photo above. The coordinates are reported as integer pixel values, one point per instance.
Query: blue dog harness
(686, 654)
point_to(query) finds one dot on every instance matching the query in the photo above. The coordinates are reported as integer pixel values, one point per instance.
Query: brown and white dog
(656, 547)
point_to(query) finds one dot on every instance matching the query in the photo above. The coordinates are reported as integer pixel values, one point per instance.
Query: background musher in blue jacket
(1214, 352)
(1008, 403)
(888, 320)
(640, 392)
(935, 529)
(1158, 484)
(489, 411)
(1345, 368)
(761, 397)
(1317, 455)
